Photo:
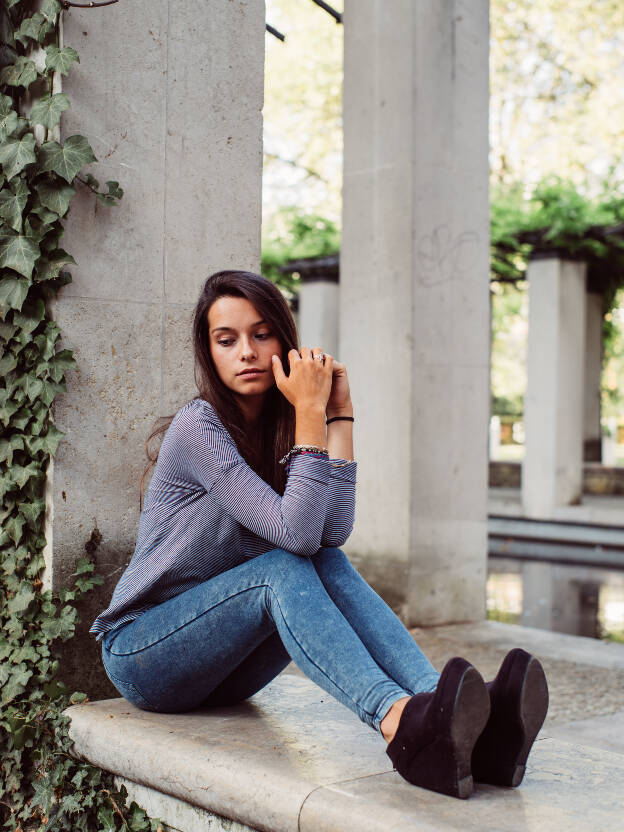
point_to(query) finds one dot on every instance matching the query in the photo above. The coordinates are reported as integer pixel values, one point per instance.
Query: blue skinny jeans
(226, 638)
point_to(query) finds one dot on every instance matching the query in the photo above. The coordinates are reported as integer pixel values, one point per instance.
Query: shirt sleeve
(206, 454)
(341, 504)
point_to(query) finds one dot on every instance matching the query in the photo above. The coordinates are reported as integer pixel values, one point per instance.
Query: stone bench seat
(292, 759)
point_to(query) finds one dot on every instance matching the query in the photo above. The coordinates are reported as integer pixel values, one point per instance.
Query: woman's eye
(225, 342)
(263, 335)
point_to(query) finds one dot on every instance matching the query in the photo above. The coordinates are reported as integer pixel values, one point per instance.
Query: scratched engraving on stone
(443, 257)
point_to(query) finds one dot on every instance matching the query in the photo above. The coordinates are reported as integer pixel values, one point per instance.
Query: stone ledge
(292, 759)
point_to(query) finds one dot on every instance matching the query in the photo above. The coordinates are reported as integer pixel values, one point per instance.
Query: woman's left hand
(339, 402)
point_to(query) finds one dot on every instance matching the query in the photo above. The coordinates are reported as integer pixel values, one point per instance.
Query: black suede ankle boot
(437, 731)
(519, 702)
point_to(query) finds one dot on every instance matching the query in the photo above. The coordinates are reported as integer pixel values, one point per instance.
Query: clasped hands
(312, 383)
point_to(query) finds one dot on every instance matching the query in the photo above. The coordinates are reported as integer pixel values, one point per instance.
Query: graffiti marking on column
(443, 257)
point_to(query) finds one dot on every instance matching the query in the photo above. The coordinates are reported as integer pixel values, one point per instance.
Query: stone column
(414, 319)
(552, 469)
(170, 98)
(592, 433)
(318, 302)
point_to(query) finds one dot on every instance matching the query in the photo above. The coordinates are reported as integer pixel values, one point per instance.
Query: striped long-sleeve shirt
(206, 511)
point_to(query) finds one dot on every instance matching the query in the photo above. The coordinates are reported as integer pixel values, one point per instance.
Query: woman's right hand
(309, 383)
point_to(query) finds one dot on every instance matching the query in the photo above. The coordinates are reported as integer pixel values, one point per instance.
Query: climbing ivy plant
(41, 785)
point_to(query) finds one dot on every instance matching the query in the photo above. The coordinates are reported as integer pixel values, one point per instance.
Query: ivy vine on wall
(41, 785)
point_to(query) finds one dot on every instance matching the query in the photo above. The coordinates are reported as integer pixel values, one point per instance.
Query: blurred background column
(414, 306)
(317, 309)
(554, 405)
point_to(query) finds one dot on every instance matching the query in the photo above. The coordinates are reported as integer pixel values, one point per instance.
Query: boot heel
(433, 744)
(519, 698)
(438, 769)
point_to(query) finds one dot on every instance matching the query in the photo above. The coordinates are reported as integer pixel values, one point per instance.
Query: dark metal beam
(274, 32)
(326, 7)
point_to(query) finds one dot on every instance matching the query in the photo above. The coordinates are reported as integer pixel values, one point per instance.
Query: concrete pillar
(592, 433)
(552, 469)
(318, 309)
(414, 312)
(171, 103)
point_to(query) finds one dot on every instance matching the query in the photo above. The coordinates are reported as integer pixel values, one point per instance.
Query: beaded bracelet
(302, 449)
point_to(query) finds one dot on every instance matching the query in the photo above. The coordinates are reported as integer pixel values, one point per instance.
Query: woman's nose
(247, 349)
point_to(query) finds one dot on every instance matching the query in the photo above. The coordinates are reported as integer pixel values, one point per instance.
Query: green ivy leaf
(8, 362)
(48, 443)
(114, 190)
(48, 109)
(62, 627)
(66, 159)
(35, 230)
(13, 291)
(106, 819)
(62, 361)
(16, 154)
(31, 512)
(50, 267)
(12, 203)
(7, 331)
(8, 117)
(43, 793)
(13, 527)
(20, 74)
(40, 412)
(33, 312)
(20, 475)
(50, 391)
(60, 60)
(31, 385)
(78, 697)
(16, 683)
(26, 594)
(46, 340)
(34, 28)
(50, 9)
(21, 418)
(7, 446)
(18, 252)
(46, 216)
(7, 410)
(54, 196)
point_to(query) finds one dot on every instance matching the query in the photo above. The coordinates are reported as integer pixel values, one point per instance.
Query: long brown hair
(277, 422)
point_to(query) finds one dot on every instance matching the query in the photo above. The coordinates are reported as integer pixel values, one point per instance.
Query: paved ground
(581, 690)
(577, 690)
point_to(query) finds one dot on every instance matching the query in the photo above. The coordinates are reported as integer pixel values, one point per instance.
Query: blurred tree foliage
(557, 90)
(292, 234)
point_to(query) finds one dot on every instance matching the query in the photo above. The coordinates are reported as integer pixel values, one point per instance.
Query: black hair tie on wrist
(340, 418)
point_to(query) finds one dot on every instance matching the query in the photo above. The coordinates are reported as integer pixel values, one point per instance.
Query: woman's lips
(251, 373)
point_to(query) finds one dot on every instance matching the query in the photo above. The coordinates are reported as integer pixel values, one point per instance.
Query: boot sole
(526, 684)
(449, 770)
(470, 715)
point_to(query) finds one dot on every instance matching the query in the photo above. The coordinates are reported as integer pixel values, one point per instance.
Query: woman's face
(241, 345)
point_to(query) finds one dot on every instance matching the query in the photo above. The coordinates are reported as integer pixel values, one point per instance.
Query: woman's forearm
(340, 438)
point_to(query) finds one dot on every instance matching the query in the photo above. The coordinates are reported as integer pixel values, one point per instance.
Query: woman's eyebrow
(232, 329)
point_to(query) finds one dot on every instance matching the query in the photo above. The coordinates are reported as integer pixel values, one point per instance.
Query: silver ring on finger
(320, 357)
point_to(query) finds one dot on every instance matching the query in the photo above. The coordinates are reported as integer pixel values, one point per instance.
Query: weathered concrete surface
(186, 147)
(174, 113)
(414, 298)
(605, 732)
(179, 814)
(292, 758)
